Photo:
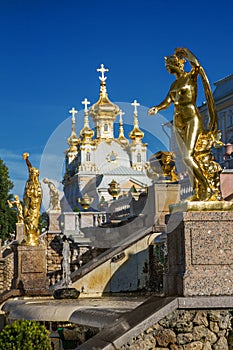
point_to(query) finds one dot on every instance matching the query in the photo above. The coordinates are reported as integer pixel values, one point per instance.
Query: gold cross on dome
(85, 102)
(73, 111)
(136, 105)
(102, 70)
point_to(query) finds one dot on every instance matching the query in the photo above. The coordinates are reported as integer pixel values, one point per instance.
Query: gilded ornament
(16, 202)
(32, 203)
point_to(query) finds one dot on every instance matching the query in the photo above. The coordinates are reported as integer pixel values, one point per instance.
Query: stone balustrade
(186, 189)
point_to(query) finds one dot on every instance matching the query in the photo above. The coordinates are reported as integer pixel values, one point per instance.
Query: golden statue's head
(174, 61)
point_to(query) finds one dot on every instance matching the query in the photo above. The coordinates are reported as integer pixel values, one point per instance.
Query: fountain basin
(66, 293)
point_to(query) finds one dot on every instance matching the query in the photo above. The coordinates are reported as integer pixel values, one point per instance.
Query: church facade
(100, 167)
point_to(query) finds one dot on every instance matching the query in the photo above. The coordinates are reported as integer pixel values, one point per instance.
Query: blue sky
(50, 51)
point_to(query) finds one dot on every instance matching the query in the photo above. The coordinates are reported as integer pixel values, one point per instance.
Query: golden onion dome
(121, 138)
(73, 139)
(86, 133)
(136, 134)
(103, 108)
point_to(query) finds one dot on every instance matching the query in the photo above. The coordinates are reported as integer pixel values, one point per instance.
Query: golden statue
(32, 203)
(194, 141)
(54, 203)
(162, 167)
(16, 202)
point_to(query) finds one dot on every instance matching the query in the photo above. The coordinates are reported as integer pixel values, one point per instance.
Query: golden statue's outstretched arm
(163, 105)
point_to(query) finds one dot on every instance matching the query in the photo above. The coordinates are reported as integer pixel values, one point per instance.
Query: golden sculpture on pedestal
(162, 167)
(32, 203)
(194, 141)
(114, 189)
(16, 202)
(85, 201)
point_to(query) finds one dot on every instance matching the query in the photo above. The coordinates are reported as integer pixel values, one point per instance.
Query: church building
(100, 167)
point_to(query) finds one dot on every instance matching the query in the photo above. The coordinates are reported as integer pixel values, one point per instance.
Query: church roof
(122, 170)
(224, 87)
(122, 174)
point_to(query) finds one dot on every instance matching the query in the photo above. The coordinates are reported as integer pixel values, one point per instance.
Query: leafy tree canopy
(25, 335)
(8, 216)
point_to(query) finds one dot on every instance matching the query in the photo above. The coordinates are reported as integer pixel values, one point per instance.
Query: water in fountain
(66, 279)
(65, 291)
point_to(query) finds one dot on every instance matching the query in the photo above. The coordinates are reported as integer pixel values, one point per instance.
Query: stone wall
(186, 330)
(6, 272)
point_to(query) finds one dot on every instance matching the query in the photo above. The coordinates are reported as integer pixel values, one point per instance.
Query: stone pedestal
(71, 227)
(30, 265)
(54, 220)
(86, 219)
(19, 232)
(165, 195)
(200, 259)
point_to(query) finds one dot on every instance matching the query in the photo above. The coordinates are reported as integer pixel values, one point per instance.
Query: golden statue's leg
(189, 138)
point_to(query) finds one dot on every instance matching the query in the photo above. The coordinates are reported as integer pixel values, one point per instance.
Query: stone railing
(186, 189)
(55, 277)
(75, 221)
(99, 218)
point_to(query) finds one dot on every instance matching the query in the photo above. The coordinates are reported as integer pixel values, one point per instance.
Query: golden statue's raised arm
(184, 52)
(163, 105)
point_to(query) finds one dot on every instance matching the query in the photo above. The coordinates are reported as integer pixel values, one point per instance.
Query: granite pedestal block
(165, 195)
(200, 259)
(54, 220)
(19, 232)
(30, 264)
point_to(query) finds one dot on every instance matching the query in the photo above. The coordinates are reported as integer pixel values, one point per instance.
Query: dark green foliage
(43, 222)
(8, 216)
(76, 210)
(25, 335)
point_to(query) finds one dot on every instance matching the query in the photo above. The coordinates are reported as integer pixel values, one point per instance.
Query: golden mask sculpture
(194, 141)
(32, 203)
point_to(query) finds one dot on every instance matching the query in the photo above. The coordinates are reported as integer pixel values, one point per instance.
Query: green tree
(43, 222)
(25, 335)
(8, 216)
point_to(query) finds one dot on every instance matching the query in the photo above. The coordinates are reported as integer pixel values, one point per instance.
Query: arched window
(88, 157)
(139, 158)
